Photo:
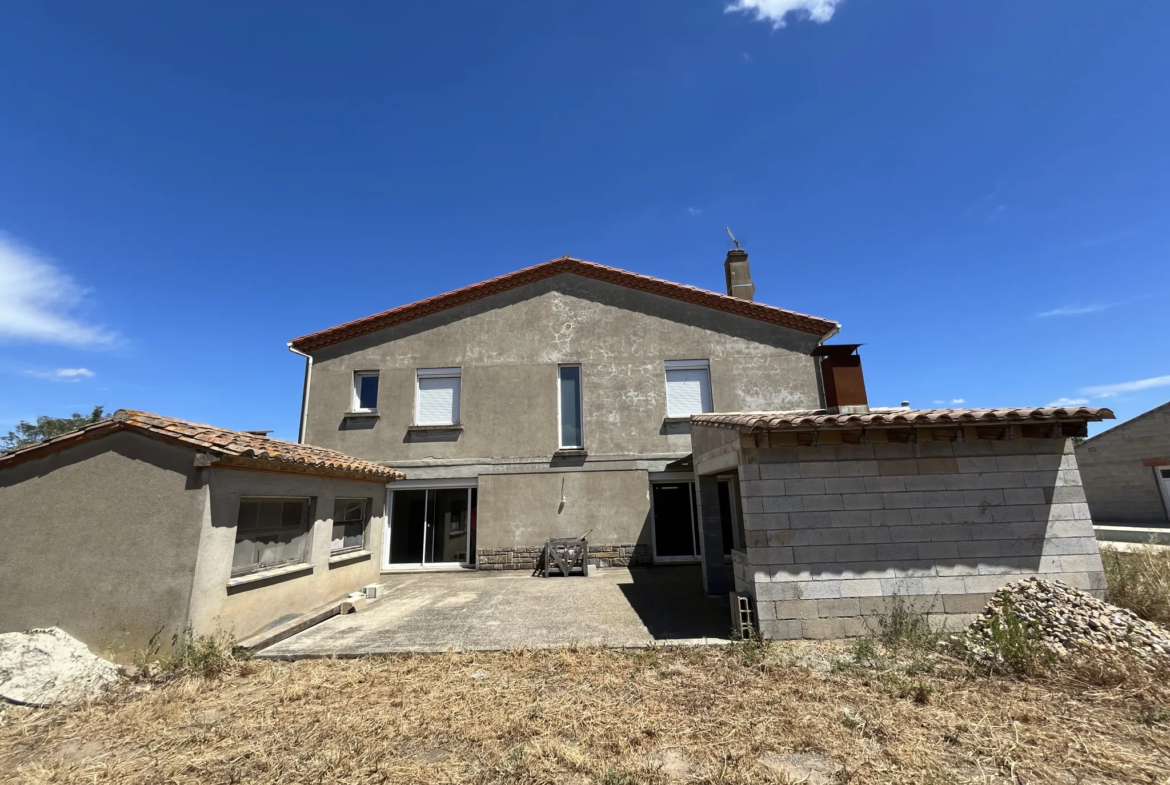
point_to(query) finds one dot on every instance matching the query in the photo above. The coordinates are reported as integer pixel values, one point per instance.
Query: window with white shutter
(438, 396)
(688, 387)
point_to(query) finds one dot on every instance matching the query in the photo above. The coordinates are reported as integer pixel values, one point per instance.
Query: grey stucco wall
(525, 509)
(248, 608)
(509, 346)
(1120, 489)
(100, 540)
(836, 532)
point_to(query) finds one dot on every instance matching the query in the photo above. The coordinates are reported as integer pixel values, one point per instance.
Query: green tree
(46, 428)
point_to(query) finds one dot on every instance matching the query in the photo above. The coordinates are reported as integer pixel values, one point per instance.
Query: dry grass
(603, 716)
(1139, 580)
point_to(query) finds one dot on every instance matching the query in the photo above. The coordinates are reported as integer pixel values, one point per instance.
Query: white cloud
(777, 11)
(1075, 310)
(1111, 390)
(63, 374)
(938, 402)
(695, 210)
(959, 400)
(36, 299)
(1062, 402)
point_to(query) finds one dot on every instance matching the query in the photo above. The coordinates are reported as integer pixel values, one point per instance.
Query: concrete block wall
(835, 533)
(1120, 488)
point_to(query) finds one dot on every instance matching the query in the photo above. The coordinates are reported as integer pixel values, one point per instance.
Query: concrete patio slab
(485, 611)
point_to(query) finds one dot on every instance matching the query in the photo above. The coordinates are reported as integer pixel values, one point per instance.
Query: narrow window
(270, 533)
(365, 391)
(349, 525)
(688, 387)
(570, 407)
(438, 396)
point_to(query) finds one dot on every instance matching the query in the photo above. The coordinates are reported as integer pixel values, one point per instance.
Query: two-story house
(551, 402)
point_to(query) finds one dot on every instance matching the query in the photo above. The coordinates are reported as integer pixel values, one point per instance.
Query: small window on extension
(349, 525)
(270, 533)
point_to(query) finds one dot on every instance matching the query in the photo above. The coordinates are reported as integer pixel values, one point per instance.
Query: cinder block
(1024, 496)
(862, 501)
(820, 537)
(984, 584)
(866, 570)
(885, 484)
(797, 609)
(992, 531)
(844, 485)
(963, 482)
(1005, 566)
(976, 464)
(881, 517)
(776, 455)
(915, 569)
(930, 515)
(773, 592)
(782, 503)
(828, 609)
(774, 538)
(1067, 494)
(938, 466)
(749, 471)
(765, 611)
(1085, 563)
(902, 500)
(943, 499)
(815, 553)
(804, 520)
(819, 453)
(943, 586)
(984, 498)
(805, 487)
(948, 532)
(1016, 463)
(821, 590)
(1003, 480)
(946, 569)
(868, 534)
(864, 468)
(848, 518)
(779, 471)
(940, 449)
(1070, 546)
(828, 501)
(822, 629)
(820, 469)
(898, 551)
(769, 556)
(927, 482)
(853, 452)
(753, 504)
(893, 451)
(1078, 580)
(1070, 529)
(900, 467)
(1042, 479)
(765, 521)
(937, 550)
(1068, 478)
(851, 553)
(1081, 512)
(756, 539)
(965, 603)
(861, 588)
(901, 586)
(975, 448)
(780, 630)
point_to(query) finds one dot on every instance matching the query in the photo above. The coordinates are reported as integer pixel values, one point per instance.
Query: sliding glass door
(431, 527)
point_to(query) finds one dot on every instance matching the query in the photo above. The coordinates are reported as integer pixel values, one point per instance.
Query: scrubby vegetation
(1139, 579)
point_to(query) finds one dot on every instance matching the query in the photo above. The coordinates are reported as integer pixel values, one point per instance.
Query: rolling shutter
(688, 391)
(438, 400)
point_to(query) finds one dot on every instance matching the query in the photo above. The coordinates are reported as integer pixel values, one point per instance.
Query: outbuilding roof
(233, 448)
(819, 419)
(600, 272)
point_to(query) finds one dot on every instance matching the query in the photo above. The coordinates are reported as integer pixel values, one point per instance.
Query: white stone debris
(1066, 620)
(49, 667)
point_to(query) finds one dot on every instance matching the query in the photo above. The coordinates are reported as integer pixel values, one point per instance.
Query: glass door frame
(674, 478)
(470, 484)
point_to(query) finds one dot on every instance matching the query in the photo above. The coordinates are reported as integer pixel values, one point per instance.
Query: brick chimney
(739, 275)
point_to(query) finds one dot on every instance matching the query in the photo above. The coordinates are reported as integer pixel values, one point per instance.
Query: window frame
(438, 373)
(356, 403)
(367, 505)
(707, 404)
(1163, 487)
(580, 408)
(306, 544)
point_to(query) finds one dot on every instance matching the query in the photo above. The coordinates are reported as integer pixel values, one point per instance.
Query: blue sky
(978, 191)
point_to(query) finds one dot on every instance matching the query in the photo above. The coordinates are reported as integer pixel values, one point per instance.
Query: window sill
(570, 452)
(275, 572)
(371, 413)
(458, 426)
(676, 419)
(348, 556)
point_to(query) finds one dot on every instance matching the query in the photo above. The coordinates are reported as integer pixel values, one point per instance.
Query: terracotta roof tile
(689, 294)
(221, 442)
(813, 420)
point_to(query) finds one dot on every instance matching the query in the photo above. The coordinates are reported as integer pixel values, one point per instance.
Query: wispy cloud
(37, 298)
(695, 210)
(777, 11)
(1076, 310)
(959, 400)
(63, 374)
(1062, 402)
(1111, 390)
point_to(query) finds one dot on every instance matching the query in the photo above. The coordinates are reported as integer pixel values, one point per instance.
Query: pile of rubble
(1066, 619)
(47, 667)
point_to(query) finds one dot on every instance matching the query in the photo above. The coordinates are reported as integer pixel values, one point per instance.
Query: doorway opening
(431, 527)
(675, 520)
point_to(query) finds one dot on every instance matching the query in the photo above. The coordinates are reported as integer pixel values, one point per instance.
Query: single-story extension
(845, 514)
(132, 532)
(1126, 471)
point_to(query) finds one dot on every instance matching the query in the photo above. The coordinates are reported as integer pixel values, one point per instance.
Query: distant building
(1126, 471)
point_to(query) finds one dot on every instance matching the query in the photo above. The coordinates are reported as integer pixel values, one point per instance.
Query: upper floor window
(365, 391)
(688, 387)
(569, 407)
(437, 402)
